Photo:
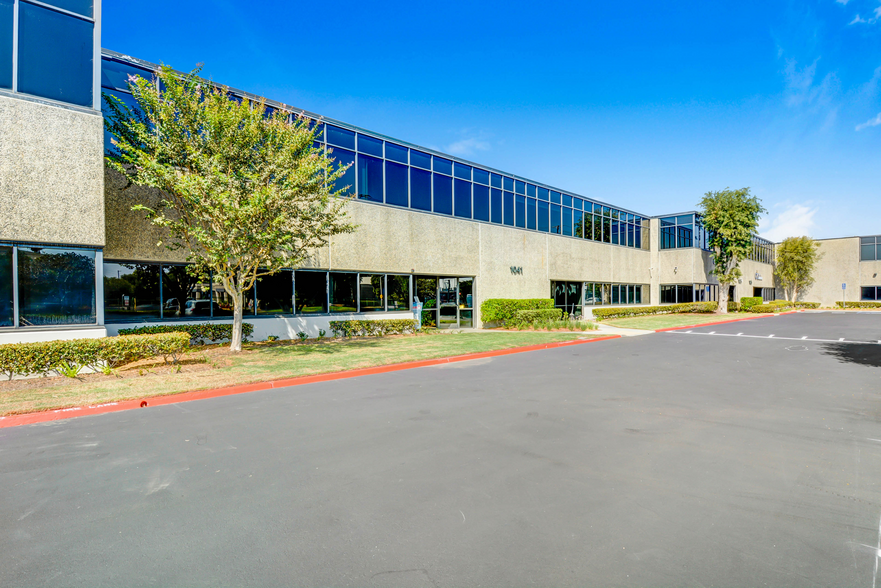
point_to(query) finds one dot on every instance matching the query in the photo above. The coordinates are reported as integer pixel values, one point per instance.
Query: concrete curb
(68, 413)
(737, 320)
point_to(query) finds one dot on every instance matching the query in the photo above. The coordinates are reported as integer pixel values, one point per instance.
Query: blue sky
(639, 104)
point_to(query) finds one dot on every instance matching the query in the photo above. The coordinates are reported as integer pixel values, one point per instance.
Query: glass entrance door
(448, 302)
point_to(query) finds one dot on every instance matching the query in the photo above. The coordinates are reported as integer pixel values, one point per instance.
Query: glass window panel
(372, 292)
(556, 219)
(310, 295)
(466, 288)
(5, 46)
(343, 297)
(509, 184)
(616, 299)
(867, 240)
(344, 158)
(496, 206)
(443, 166)
(530, 190)
(614, 232)
(462, 171)
(543, 194)
(867, 293)
(275, 293)
(668, 221)
(683, 236)
(463, 198)
(398, 292)
(443, 194)
(6, 295)
(369, 145)
(495, 180)
(606, 211)
(131, 292)
(630, 295)
(555, 197)
(684, 293)
(222, 302)
(83, 7)
(420, 189)
(184, 295)
(520, 211)
(396, 153)
(519, 187)
(558, 291)
(614, 214)
(128, 100)
(567, 200)
(60, 69)
(481, 176)
(577, 203)
(340, 137)
(607, 230)
(567, 221)
(481, 202)
(56, 286)
(685, 219)
(543, 216)
(584, 225)
(396, 184)
(588, 206)
(420, 159)
(508, 209)
(466, 319)
(530, 213)
(426, 290)
(878, 251)
(637, 295)
(630, 232)
(573, 298)
(369, 178)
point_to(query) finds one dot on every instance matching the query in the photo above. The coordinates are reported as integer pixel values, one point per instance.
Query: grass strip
(666, 321)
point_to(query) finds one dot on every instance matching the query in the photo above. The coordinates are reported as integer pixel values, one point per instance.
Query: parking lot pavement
(668, 459)
(817, 326)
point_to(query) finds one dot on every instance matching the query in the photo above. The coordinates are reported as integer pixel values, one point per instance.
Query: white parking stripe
(842, 340)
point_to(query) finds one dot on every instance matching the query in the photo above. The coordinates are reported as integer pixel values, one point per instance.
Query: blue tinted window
(530, 190)
(509, 184)
(508, 209)
(5, 45)
(420, 189)
(496, 205)
(668, 221)
(555, 197)
(684, 219)
(556, 222)
(319, 132)
(463, 199)
(567, 200)
(369, 178)
(630, 235)
(495, 181)
(129, 101)
(637, 237)
(530, 213)
(396, 152)
(543, 194)
(369, 145)
(481, 202)
(588, 206)
(443, 166)
(56, 286)
(614, 232)
(520, 187)
(420, 159)
(614, 213)
(543, 211)
(481, 176)
(520, 211)
(606, 211)
(83, 7)
(396, 184)
(341, 137)
(463, 172)
(443, 194)
(577, 203)
(567, 221)
(344, 158)
(60, 69)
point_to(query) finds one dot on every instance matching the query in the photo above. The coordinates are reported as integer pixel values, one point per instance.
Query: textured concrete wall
(841, 264)
(51, 174)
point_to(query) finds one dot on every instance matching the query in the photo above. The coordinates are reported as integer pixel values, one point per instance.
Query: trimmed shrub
(527, 317)
(24, 359)
(200, 334)
(372, 328)
(502, 310)
(861, 304)
(625, 311)
(747, 302)
(734, 306)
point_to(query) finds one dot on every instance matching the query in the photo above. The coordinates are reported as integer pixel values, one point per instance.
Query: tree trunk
(236, 341)
(723, 298)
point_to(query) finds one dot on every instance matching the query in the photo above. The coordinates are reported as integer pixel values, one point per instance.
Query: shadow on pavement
(867, 354)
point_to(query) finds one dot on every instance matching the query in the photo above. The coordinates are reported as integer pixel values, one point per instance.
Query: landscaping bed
(666, 321)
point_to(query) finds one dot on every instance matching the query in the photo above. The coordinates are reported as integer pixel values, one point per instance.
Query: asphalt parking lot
(702, 458)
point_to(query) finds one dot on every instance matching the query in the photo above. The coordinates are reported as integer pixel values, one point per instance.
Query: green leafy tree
(244, 190)
(731, 217)
(797, 259)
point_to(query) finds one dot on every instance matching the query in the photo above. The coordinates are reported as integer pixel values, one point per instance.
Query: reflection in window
(420, 189)
(870, 248)
(310, 294)
(371, 291)
(369, 178)
(131, 291)
(398, 292)
(443, 166)
(342, 292)
(56, 286)
(275, 293)
(567, 296)
(60, 69)
(184, 295)
(567, 222)
(466, 287)
(556, 221)
(340, 137)
(426, 291)
(870, 293)
(83, 7)
(6, 293)
(347, 180)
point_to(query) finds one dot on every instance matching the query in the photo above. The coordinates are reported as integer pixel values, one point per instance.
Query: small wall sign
(516, 270)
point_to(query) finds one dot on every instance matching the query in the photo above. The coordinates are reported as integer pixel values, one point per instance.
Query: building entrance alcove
(447, 303)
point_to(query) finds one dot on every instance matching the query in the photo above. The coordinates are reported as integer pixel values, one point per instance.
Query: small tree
(731, 217)
(797, 259)
(245, 192)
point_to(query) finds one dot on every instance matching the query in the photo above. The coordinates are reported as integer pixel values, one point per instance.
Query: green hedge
(734, 306)
(777, 307)
(528, 317)
(625, 311)
(24, 359)
(502, 310)
(861, 304)
(747, 302)
(200, 334)
(372, 328)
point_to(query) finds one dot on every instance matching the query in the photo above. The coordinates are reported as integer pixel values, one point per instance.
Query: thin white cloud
(794, 221)
(872, 122)
(856, 20)
(877, 13)
(801, 89)
(842, 2)
(468, 146)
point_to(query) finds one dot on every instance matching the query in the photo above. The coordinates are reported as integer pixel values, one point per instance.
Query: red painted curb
(737, 320)
(68, 413)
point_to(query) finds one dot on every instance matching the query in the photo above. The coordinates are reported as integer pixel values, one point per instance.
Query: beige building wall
(840, 264)
(51, 173)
